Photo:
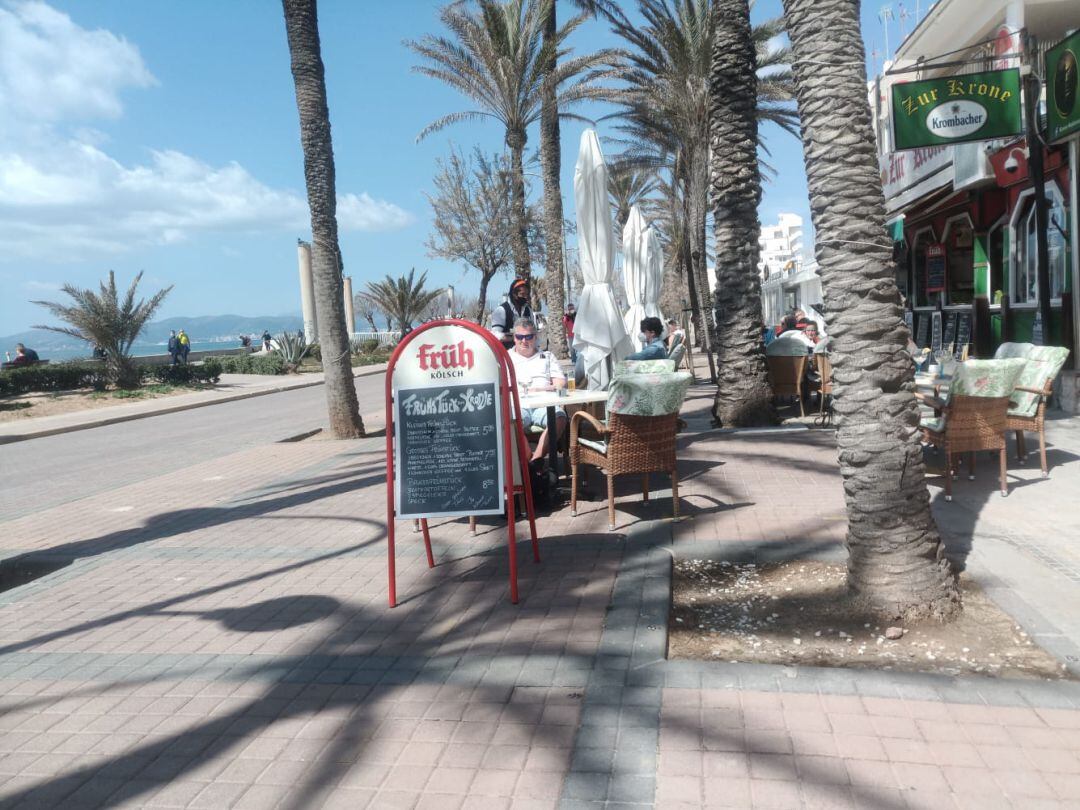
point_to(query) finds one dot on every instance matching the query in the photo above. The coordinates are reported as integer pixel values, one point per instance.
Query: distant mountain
(206, 328)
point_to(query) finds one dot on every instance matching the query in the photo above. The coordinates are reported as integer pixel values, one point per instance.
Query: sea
(138, 350)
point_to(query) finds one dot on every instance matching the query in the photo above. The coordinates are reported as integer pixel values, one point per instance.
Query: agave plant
(293, 349)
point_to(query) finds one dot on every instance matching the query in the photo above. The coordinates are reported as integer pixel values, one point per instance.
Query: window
(959, 261)
(1025, 281)
(918, 267)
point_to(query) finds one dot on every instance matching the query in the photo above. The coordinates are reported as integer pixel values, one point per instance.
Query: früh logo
(448, 357)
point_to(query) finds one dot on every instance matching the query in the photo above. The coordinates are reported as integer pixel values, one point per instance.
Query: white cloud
(51, 69)
(62, 196)
(362, 213)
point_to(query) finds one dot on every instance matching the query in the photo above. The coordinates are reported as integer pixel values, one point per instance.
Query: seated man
(536, 371)
(24, 356)
(651, 329)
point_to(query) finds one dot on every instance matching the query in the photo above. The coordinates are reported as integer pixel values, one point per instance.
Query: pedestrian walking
(174, 347)
(184, 344)
(266, 340)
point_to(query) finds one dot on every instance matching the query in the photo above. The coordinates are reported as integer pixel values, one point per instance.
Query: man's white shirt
(540, 369)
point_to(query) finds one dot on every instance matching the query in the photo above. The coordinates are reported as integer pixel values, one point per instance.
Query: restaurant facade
(962, 212)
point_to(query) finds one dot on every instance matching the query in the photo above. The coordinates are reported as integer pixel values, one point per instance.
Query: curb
(363, 371)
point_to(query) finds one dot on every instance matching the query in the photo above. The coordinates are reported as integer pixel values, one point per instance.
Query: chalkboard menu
(950, 330)
(449, 452)
(935, 327)
(935, 268)
(924, 331)
(963, 334)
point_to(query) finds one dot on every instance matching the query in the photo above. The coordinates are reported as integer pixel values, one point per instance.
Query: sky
(163, 138)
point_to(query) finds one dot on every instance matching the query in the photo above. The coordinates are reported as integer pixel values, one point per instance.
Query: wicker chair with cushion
(1033, 390)
(786, 358)
(786, 377)
(974, 417)
(638, 436)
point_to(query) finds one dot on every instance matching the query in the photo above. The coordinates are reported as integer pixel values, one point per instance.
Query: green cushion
(1008, 351)
(986, 378)
(644, 367)
(648, 394)
(600, 447)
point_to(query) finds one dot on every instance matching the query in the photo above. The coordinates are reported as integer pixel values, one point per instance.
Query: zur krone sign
(954, 109)
(1062, 106)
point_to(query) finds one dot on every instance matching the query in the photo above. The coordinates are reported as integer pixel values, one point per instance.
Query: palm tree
(403, 299)
(628, 185)
(896, 564)
(302, 28)
(666, 112)
(102, 319)
(551, 162)
(495, 56)
(743, 394)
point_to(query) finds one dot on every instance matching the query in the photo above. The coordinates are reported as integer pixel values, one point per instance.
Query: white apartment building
(787, 281)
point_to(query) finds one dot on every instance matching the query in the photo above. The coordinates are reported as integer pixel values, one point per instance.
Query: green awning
(895, 227)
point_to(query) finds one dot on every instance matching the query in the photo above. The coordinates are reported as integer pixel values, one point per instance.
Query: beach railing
(385, 338)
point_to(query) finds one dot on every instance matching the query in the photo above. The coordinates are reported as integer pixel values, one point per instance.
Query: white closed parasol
(654, 275)
(635, 257)
(599, 334)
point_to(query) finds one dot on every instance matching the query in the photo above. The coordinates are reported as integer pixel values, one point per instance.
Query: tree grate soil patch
(798, 613)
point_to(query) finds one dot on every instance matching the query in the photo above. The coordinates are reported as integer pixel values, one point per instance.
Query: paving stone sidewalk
(197, 649)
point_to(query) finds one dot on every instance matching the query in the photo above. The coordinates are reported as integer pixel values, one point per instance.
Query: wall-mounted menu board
(963, 334)
(923, 331)
(449, 452)
(950, 330)
(935, 329)
(935, 268)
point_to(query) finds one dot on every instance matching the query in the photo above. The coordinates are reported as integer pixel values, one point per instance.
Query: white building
(787, 281)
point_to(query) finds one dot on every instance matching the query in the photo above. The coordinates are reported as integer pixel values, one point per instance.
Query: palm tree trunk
(302, 27)
(743, 395)
(896, 563)
(516, 142)
(698, 199)
(550, 165)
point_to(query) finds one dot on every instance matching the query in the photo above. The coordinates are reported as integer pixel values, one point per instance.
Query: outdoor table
(551, 400)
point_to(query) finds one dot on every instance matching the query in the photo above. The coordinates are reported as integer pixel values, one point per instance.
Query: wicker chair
(823, 367)
(786, 377)
(1033, 391)
(974, 417)
(638, 436)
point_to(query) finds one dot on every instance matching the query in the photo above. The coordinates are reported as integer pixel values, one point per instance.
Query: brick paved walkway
(200, 649)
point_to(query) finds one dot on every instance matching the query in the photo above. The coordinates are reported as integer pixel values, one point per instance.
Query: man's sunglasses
(524, 337)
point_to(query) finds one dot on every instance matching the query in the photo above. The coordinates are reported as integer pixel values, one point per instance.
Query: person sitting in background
(536, 370)
(651, 329)
(791, 322)
(675, 334)
(25, 356)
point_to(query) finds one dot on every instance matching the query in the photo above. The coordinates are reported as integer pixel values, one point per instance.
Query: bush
(208, 372)
(52, 377)
(252, 364)
(369, 346)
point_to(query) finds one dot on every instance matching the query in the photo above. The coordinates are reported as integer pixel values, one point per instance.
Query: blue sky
(163, 137)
